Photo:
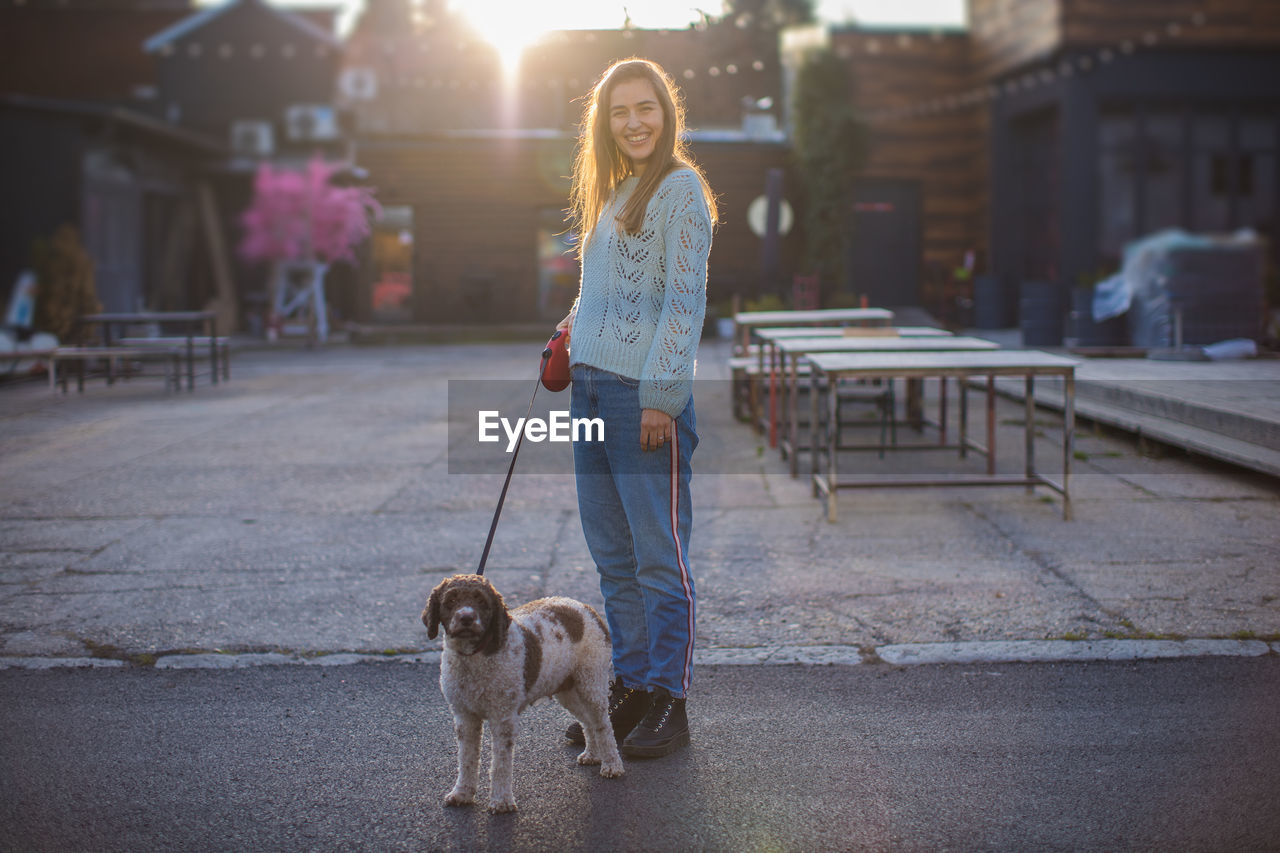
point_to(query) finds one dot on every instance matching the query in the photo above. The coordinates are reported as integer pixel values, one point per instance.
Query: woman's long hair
(599, 166)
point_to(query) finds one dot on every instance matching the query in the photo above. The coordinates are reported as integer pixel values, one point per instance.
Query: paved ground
(1169, 755)
(309, 505)
(301, 513)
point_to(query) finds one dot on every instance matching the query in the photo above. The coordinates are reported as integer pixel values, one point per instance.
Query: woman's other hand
(655, 429)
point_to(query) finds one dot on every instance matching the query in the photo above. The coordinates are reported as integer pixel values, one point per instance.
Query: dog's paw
(611, 769)
(588, 758)
(460, 797)
(502, 806)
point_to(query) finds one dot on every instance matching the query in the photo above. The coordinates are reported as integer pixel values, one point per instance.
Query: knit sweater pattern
(642, 297)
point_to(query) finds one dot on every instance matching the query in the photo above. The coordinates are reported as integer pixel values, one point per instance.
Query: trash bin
(1040, 311)
(992, 307)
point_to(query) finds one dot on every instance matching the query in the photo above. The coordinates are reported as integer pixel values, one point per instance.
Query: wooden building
(132, 185)
(249, 73)
(483, 213)
(142, 124)
(1053, 132)
(1030, 147)
(472, 164)
(918, 207)
(83, 50)
(409, 73)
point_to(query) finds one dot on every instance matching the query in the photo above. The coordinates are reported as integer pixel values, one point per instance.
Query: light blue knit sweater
(642, 296)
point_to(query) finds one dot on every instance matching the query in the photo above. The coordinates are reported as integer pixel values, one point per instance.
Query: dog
(498, 662)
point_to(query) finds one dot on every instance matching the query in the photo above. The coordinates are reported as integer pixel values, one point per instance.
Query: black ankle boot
(627, 705)
(662, 731)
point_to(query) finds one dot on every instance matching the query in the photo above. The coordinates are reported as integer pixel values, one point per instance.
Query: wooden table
(792, 351)
(187, 324)
(1029, 364)
(745, 321)
(772, 333)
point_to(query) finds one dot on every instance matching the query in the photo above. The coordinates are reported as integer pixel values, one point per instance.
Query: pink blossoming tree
(300, 222)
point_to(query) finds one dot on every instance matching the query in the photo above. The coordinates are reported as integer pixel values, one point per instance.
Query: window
(1206, 170)
(1117, 197)
(1212, 182)
(1162, 156)
(1256, 172)
(393, 265)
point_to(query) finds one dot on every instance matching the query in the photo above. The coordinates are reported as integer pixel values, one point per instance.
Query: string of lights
(226, 51)
(726, 71)
(1084, 63)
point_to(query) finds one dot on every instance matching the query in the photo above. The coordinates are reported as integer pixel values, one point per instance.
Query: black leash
(493, 528)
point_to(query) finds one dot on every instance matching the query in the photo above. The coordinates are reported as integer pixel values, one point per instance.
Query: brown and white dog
(492, 670)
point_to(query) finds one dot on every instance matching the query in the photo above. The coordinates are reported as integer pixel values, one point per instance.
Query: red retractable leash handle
(555, 355)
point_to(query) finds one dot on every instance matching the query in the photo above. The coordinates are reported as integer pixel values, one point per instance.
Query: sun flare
(509, 25)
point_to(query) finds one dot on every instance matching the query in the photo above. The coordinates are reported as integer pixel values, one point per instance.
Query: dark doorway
(112, 230)
(1035, 223)
(885, 248)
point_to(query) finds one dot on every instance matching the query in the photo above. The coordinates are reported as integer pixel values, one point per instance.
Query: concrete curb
(60, 663)
(220, 661)
(1035, 651)
(905, 654)
(765, 655)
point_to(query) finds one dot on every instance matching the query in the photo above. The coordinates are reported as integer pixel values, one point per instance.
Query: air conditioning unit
(252, 138)
(759, 126)
(358, 84)
(311, 122)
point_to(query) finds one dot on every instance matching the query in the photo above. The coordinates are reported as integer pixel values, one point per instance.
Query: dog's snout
(466, 617)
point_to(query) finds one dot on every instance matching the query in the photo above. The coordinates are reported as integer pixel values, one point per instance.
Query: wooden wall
(1009, 34)
(945, 151)
(736, 172)
(443, 79)
(478, 201)
(91, 51)
(1192, 23)
(79, 53)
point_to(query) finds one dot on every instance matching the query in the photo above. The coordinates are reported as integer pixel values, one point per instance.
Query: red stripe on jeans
(684, 568)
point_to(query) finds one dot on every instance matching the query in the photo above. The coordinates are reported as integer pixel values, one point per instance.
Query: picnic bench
(17, 356)
(118, 364)
(188, 331)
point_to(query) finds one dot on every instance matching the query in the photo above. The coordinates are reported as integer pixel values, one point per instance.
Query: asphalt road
(1154, 755)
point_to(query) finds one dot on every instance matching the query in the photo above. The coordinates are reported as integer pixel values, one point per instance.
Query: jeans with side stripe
(636, 516)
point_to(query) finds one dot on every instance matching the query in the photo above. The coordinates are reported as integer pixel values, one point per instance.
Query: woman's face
(635, 120)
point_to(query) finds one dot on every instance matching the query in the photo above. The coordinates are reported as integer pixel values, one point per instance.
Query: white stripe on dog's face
(464, 617)
(466, 614)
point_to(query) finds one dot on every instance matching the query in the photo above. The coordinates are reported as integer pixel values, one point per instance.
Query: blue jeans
(636, 516)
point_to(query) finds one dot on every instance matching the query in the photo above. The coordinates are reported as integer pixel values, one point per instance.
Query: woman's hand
(656, 428)
(566, 325)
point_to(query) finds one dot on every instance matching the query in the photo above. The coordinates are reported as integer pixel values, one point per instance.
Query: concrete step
(1212, 432)
(1197, 439)
(1142, 398)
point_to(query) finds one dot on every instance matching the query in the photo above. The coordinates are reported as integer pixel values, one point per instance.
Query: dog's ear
(431, 613)
(499, 621)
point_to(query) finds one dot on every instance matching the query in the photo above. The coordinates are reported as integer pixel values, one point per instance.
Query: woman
(646, 215)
